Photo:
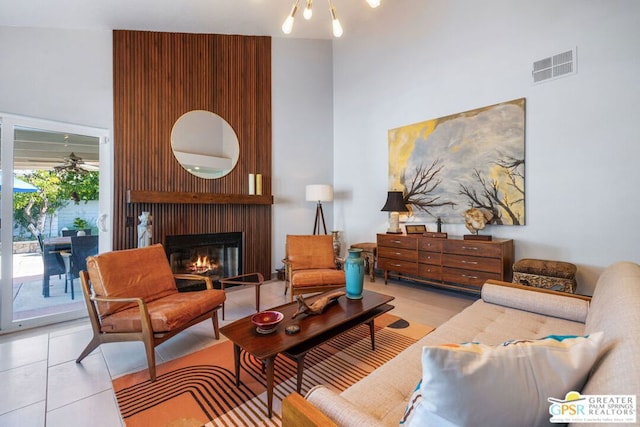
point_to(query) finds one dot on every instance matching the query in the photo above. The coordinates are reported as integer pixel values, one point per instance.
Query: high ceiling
(248, 17)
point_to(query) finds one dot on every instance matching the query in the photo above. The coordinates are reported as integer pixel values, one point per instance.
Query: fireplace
(215, 255)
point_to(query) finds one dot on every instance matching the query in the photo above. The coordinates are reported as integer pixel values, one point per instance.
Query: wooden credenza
(451, 263)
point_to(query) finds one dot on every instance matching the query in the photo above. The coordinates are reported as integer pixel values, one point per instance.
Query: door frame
(8, 122)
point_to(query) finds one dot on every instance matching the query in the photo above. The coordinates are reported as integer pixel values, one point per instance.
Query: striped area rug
(199, 389)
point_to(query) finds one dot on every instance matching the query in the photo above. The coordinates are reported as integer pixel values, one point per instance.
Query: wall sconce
(319, 193)
(395, 203)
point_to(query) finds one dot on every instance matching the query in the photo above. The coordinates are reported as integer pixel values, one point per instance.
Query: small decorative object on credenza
(395, 204)
(318, 306)
(416, 228)
(435, 235)
(475, 219)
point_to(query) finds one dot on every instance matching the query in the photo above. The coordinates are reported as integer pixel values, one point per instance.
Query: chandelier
(287, 26)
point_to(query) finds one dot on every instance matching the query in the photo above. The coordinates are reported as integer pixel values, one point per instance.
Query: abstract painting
(474, 159)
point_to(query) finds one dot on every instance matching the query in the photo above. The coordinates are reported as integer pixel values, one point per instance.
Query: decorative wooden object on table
(338, 318)
(318, 305)
(451, 263)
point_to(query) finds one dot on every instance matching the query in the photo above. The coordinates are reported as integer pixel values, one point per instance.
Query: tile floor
(43, 386)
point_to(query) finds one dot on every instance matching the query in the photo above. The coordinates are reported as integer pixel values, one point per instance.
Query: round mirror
(205, 144)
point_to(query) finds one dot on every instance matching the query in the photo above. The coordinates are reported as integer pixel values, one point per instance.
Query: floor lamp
(319, 193)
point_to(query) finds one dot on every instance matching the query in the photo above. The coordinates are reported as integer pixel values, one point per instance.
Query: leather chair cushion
(167, 313)
(314, 251)
(143, 273)
(319, 276)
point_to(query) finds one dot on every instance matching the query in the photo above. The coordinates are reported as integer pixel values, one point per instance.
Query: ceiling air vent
(553, 67)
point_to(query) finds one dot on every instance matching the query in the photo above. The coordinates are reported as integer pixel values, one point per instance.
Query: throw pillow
(506, 385)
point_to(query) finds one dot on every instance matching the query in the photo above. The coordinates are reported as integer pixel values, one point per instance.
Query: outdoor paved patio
(27, 289)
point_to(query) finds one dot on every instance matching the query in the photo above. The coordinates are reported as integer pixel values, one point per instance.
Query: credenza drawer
(491, 265)
(396, 253)
(430, 257)
(468, 247)
(467, 277)
(400, 266)
(395, 241)
(431, 245)
(431, 272)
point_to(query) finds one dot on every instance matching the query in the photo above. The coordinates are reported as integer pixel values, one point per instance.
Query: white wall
(303, 152)
(61, 75)
(424, 59)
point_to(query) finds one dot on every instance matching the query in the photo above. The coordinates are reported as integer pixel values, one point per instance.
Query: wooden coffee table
(338, 317)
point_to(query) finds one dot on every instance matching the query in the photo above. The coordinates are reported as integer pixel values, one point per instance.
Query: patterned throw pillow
(473, 384)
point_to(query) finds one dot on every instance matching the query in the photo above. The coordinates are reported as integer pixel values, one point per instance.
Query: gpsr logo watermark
(606, 408)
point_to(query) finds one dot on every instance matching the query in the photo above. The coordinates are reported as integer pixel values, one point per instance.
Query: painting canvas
(473, 159)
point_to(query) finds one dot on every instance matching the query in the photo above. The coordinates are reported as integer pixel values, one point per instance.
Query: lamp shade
(395, 202)
(319, 193)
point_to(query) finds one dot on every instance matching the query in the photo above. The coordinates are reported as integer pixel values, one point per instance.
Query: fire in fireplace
(215, 255)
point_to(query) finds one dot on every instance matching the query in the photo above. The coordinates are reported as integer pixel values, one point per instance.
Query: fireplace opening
(215, 255)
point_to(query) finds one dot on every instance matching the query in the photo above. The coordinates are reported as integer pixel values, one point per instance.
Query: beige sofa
(505, 311)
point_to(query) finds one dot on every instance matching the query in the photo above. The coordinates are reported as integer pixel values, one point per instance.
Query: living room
(333, 101)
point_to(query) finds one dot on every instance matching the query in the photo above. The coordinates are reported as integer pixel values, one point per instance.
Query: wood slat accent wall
(157, 78)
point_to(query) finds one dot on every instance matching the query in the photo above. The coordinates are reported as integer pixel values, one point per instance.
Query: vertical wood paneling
(157, 78)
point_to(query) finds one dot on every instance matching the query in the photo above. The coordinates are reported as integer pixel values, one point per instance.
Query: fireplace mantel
(138, 196)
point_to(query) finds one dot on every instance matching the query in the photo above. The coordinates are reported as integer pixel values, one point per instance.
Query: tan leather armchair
(131, 295)
(311, 265)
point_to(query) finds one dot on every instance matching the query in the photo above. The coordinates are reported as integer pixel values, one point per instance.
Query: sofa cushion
(143, 273)
(563, 307)
(168, 313)
(476, 384)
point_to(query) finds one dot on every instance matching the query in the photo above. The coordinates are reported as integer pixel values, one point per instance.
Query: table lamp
(319, 193)
(395, 203)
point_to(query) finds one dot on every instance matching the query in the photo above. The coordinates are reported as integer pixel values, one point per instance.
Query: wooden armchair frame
(146, 334)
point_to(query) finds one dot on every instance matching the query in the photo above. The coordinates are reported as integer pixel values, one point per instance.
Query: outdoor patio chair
(76, 259)
(53, 264)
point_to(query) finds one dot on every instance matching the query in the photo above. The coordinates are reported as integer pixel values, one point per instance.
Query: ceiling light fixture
(308, 13)
(287, 25)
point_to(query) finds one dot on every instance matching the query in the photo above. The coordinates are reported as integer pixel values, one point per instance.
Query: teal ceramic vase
(354, 271)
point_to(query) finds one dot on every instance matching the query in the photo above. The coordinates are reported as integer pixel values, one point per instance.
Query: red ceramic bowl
(267, 319)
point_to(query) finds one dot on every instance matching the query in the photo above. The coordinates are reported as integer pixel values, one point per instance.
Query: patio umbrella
(19, 186)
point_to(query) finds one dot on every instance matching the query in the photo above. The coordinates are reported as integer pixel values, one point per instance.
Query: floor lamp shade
(319, 193)
(394, 204)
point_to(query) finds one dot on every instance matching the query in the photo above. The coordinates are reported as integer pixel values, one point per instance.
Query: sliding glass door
(55, 187)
